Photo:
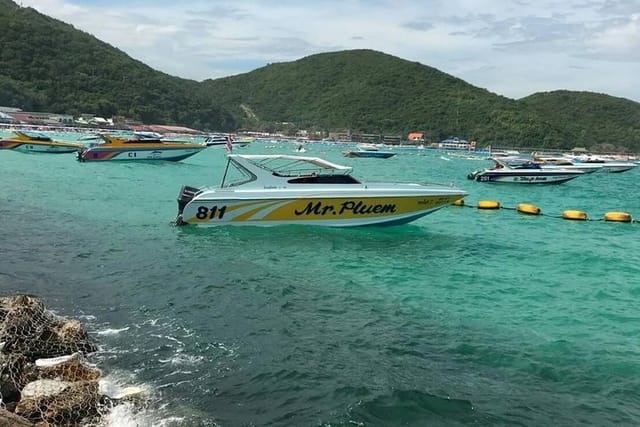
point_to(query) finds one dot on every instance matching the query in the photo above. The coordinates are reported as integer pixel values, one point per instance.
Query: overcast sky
(511, 47)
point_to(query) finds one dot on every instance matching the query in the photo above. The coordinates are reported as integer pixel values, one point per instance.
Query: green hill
(600, 122)
(371, 92)
(47, 65)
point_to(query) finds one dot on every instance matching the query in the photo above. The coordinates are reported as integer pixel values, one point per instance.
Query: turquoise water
(462, 317)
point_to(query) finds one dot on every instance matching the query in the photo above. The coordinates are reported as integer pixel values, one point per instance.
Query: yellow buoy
(488, 204)
(459, 202)
(528, 209)
(574, 215)
(617, 217)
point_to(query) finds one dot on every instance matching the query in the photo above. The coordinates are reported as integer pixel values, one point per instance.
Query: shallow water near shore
(464, 316)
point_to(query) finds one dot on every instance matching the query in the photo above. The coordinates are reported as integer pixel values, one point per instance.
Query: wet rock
(59, 402)
(8, 419)
(12, 376)
(28, 328)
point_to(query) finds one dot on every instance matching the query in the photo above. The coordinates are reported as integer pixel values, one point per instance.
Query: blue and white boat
(523, 171)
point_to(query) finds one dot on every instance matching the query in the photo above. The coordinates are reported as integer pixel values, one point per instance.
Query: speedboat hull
(30, 147)
(217, 208)
(523, 171)
(99, 154)
(586, 167)
(37, 144)
(616, 167)
(523, 177)
(372, 154)
(285, 189)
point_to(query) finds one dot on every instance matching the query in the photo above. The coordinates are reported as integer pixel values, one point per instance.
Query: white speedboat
(522, 171)
(606, 164)
(555, 162)
(287, 189)
(368, 150)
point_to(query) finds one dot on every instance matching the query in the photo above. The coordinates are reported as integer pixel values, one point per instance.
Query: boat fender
(459, 202)
(617, 217)
(528, 209)
(574, 215)
(488, 204)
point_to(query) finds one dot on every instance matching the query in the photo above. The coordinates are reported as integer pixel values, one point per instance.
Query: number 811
(206, 213)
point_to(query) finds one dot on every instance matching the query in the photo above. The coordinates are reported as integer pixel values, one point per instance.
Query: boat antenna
(225, 172)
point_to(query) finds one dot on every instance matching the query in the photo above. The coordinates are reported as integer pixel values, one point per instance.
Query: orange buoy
(528, 209)
(575, 215)
(617, 217)
(488, 204)
(459, 202)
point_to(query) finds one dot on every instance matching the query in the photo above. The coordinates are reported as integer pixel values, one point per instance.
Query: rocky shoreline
(45, 379)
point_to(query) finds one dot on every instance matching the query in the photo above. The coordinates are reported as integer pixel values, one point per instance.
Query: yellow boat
(36, 142)
(286, 189)
(137, 148)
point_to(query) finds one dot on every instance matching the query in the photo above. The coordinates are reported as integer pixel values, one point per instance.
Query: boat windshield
(295, 166)
(523, 164)
(324, 179)
(36, 135)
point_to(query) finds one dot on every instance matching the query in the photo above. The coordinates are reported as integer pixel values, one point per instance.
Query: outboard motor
(186, 195)
(80, 153)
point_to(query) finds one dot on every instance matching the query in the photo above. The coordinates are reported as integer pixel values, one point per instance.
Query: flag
(228, 146)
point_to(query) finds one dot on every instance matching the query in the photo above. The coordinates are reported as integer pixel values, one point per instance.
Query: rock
(8, 419)
(43, 388)
(28, 328)
(59, 402)
(12, 376)
(71, 370)
(47, 363)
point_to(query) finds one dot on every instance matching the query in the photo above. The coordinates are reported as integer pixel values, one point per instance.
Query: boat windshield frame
(280, 166)
(34, 135)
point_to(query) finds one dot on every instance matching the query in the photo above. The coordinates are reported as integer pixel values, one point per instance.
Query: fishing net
(43, 374)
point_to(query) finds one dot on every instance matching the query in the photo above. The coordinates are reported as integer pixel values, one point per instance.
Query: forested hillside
(601, 122)
(47, 65)
(372, 92)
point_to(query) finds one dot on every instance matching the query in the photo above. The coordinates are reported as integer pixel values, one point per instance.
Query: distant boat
(137, 148)
(36, 142)
(368, 150)
(456, 143)
(217, 140)
(522, 171)
(606, 164)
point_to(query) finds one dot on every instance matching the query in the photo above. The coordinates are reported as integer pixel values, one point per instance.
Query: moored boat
(560, 162)
(368, 150)
(606, 164)
(137, 148)
(288, 189)
(36, 142)
(522, 171)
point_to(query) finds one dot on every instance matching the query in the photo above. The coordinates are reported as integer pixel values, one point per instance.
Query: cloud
(510, 47)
